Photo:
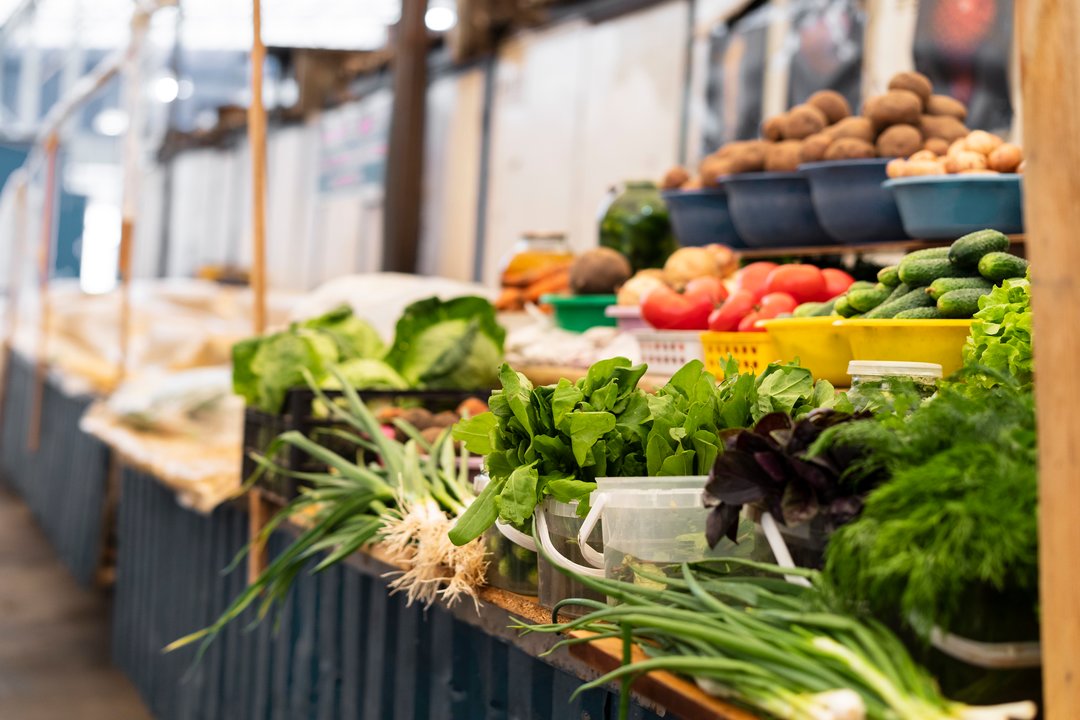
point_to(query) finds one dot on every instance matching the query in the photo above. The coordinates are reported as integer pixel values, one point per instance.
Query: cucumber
(899, 291)
(807, 309)
(889, 276)
(843, 309)
(860, 285)
(943, 285)
(826, 309)
(998, 266)
(917, 298)
(960, 303)
(920, 272)
(922, 313)
(937, 253)
(863, 300)
(968, 250)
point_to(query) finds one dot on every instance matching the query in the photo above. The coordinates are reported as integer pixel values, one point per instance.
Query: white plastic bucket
(513, 563)
(656, 520)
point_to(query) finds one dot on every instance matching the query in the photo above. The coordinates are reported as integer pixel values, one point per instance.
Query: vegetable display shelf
(66, 482)
(899, 246)
(343, 645)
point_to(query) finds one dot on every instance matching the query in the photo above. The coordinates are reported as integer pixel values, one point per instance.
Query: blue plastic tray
(850, 202)
(774, 209)
(948, 206)
(701, 217)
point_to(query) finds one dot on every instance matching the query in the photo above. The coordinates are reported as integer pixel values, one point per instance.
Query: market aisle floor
(54, 635)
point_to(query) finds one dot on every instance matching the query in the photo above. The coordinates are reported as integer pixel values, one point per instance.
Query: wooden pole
(259, 511)
(1048, 31)
(18, 255)
(405, 155)
(45, 247)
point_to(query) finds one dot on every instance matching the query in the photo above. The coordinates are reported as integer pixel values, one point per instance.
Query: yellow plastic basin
(932, 341)
(820, 346)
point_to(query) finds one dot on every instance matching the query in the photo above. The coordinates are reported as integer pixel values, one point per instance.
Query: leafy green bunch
(958, 513)
(1000, 337)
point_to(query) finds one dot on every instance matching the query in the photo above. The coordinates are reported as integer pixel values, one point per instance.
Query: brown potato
(849, 149)
(897, 167)
(899, 141)
(966, 160)
(714, 167)
(693, 183)
(748, 157)
(773, 128)
(858, 128)
(925, 167)
(942, 126)
(913, 82)
(938, 146)
(675, 177)
(896, 107)
(923, 155)
(783, 156)
(945, 105)
(956, 146)
(978, 171)
(802, 121)
(1005, 158)
(814, 147)
(983, 142)
(833, 104)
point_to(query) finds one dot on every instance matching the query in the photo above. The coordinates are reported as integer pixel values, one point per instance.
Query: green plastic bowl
(578, 313)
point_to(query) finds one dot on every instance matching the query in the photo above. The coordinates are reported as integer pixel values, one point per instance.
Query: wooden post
(1047, 31)
(259, 512)
(45, 247)
(405, 156)
(18, 254)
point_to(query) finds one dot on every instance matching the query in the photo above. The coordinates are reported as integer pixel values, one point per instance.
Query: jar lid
(886, 368)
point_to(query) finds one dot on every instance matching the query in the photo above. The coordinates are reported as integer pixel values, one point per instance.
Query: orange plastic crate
(752, 350)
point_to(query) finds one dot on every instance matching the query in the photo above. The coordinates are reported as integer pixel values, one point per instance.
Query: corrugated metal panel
(65, 482)
(343, 647)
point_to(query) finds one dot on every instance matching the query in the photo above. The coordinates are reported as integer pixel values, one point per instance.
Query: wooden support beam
(257, 558)
(45, 259)
(1048, 31)
(405, 158)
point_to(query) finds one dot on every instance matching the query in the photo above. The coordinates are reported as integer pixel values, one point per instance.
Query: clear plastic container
(873, 381)
(654, 524)
(561, 524)
(805, 542)
(513, 565)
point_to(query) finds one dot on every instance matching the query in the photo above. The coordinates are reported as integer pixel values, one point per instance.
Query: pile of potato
(979, 153)
(899, 123)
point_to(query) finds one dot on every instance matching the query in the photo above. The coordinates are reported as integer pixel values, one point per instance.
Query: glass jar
(539, 263)
(873, 382)
(634, 221)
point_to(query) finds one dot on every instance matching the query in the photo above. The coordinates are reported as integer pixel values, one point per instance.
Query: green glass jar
(634, 221)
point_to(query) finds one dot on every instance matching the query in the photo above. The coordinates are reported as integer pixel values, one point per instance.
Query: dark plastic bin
(774, 209)
(260, 429)
(850, 202)
(701, 217)
(948, 206)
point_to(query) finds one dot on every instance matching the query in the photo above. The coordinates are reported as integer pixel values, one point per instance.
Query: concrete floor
(54, 635)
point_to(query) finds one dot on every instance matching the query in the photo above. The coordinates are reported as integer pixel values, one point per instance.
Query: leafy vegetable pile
(771, 465)
(957, 515)
(759, 641)
(456, 344)
(1000, 337)
(556, 440)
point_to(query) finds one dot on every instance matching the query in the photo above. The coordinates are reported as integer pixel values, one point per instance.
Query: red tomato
(747, 324)
(665, 309)
(752, 277)
(713, 287)
(777, 303)
(726, 318)
(805, 283)
(836, 282)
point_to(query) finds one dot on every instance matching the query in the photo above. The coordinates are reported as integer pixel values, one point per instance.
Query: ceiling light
(111, 122)
(440, 19)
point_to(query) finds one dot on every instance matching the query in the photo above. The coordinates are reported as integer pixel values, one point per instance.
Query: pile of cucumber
(936, 283)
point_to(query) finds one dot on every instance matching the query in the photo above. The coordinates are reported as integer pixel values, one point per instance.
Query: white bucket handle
(593, 557)
(516, 536)
(554, 555)
(780, 549)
